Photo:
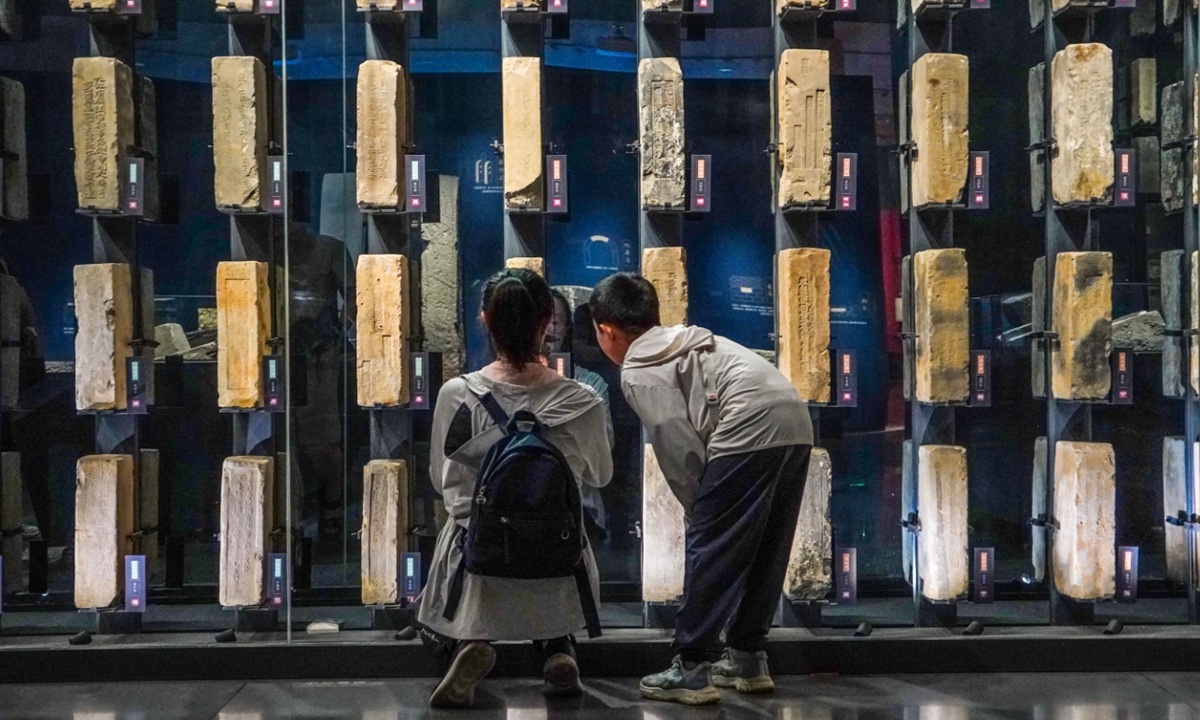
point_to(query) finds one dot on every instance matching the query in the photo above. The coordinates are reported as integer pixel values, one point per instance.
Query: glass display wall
(244, 244)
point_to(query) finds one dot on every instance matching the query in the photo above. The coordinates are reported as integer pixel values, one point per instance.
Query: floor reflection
(1172, 696)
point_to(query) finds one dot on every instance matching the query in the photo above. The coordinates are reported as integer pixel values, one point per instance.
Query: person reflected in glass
(464, 613)
(560, 336)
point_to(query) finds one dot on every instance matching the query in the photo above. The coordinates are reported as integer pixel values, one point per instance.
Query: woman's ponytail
(517, 306)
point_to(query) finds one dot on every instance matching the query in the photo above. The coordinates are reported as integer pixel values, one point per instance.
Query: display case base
(659, 616)
(1065, 611)
(255, 620)
(392, 617)
(118, 622)
(933, 614)
(800, 615)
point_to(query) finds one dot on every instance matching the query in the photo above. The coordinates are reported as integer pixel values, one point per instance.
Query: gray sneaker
(746, 672)
(678, 684)
(471, 665)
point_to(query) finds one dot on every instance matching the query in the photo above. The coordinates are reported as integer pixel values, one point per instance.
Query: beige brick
(1037, 132)
(243, 328)
(523, 159)
(803, 292)
(810, 566)
(1143, 91)
(942, 545)
(104, 314)
(536, 264)
(12, 522)
(940, 111)
(102, 114)
(382, 138)
(1194, 353)
(1175, 499)
(385, 526)
(11, 299)
(663, 535)
(1173, 163)
(1041, 462)
(942, 326)
(16, 170)
(1038, 349)
(660, 112)
(441, 298)
(247, 518)
(1083, 322)
(384, 324)
(1082, 169)
(783, 5)
(1085, 495)
(240, 132)
(103, 523)
(10, 19)
(805, 128)
(147, 499)
(666, 269)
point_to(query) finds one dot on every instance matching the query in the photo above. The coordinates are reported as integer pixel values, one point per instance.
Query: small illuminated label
(700, 169)
(1128, 557)
(983, 562)
(133, 172)
(416, 169)
(277, 171)
(561, 367)
(1124, 163)
(271, 371)
(278, 567)
(978, 165)
(419, 365)
(133, 570)
(558, 169)
(1121, 362)
(846, 364)
(409, 567)
(846, 167)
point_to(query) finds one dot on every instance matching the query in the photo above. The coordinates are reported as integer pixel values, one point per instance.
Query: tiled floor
(900, 697)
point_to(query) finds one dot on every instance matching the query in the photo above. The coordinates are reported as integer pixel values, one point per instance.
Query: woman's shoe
(471, 665)
(562, 676)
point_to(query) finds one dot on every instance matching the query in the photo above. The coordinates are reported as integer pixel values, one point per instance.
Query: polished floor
(1045, 696)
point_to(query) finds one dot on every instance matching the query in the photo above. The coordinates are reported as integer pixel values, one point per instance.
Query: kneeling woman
(473, 610)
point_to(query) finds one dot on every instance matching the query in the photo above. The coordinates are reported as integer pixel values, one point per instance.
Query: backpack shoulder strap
(493, 409)
(583, 583)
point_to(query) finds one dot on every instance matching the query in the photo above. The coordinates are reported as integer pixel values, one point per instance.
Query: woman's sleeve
(595, 444)
(449, 401)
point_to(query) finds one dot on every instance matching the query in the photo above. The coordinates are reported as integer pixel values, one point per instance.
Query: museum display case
(243, 244)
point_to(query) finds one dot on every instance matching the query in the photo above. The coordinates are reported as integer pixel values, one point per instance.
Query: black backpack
(526, 516)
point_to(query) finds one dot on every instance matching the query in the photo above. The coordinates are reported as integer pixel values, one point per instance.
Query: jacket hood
(554, 404)
(662, 345)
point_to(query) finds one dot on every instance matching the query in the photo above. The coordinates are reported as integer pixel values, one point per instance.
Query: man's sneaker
(471, 665)
(678, 684)
(561, 673)
(745, 672)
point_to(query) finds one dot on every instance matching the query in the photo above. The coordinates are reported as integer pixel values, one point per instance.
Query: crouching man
(733, 440)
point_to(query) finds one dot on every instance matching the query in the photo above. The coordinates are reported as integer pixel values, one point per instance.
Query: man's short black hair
(626, 301)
